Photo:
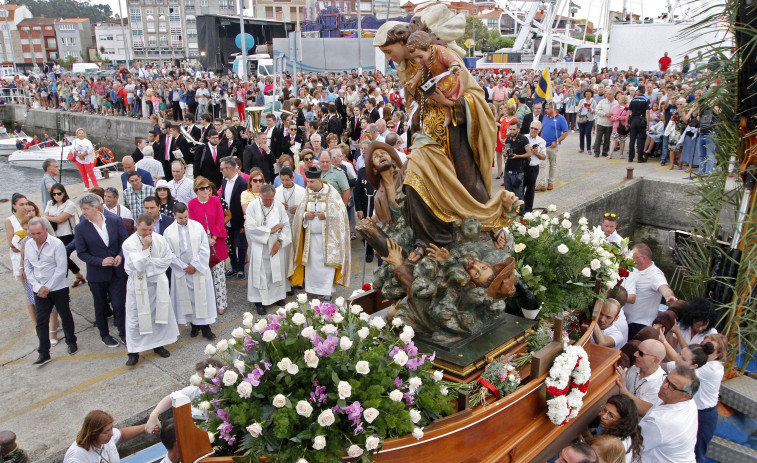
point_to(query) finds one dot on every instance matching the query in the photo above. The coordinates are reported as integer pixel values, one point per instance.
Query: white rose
(555, 221)
(204, 406)
(364, 316)
(195, 380)
(302, 298)
(248, 323)
(244, 390)
(370, 414)
(566, 215)
(230, 377)
(344, 389)
(255, 429)
(414, 382)
(562, 249)
(319, 442)
(239, 365)
(284, 364)
(210, 372)
(210, 350)
(520, 247)
(595, 264)
(337, 318)
(545, 217)
(407, 334)
(222, 345)
(378, 322)
(528, 216)
(415, 416)
(328, 328)
(362, 367)
(396, 395)
(444, 390)
(583, 221)
(586, 272)
(540, 227)
(511, 377)
(566, 224)
(363, 332)
(269, 335)
(585, 238)
(522, 229)
(261, 325)
(211, 437)
(356, 309)
(533, 232)
(232, 342)
(339, 302)
(314, 303)
(418, 433)
(527, 270)
(304, 409)
(326, 418)
(302, 460)
(247, 315)
(372, 443)
(551, 208)
(291, 306)
(311, 358)
(293, 369)
(281, 312)
(238, 332)
(308, 332)
(279, 400)
(438, 375)
(298, 318)
(354, 451)
(400, 358)
(397, 321)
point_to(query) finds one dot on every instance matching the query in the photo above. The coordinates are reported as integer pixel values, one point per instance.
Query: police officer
(638, 133)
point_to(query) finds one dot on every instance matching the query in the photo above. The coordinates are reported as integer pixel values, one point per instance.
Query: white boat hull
(8, 146)
(34, 159)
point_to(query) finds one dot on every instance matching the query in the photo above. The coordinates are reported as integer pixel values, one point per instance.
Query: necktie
(168, 148)
(214, 154)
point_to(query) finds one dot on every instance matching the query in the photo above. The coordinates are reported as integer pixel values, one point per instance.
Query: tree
(67, 62)
(68, 9)
(481, 32)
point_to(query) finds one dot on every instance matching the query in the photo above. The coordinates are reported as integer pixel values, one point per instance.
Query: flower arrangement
(561, 265)
(499, 378)
(315, 382)
(567, 384)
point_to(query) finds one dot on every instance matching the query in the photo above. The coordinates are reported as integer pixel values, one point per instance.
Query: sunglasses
(202, 188)
(673, 386)
(257, 180)
(642, 354)
(608, 214)
(307, 159)
(57, 193)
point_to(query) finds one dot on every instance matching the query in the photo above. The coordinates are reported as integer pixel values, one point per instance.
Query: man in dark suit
(207, 159)
(167, 144)
(370, 110)
(99, 238)
(231, 191)
(180, 144)
(341, 106)
(364, 192)
(205, 126)
(259, 155)
(162, 221)
(194, 130)
(274, 136)
(335, 124)
(137, 153)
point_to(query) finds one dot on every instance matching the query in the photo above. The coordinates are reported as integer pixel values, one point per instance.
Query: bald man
(605, 332)
(643, 380)
(128, 163)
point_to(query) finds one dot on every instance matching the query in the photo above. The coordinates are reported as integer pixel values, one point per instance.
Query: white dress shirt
(229, 188)
(537, 140)
(121, 211)
(103, 231)
(46, 265)
(670, 432)
(151, 165)
(645, 388)
(710, 376)
(182, 191)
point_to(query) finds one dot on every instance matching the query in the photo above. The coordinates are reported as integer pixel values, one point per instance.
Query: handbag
(623, 129)
(214, 259)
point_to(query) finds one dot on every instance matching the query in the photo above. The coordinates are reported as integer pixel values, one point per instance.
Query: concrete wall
(116, 133)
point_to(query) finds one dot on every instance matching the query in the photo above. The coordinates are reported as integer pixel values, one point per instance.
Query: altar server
(289, 193)
(269, 236)
(150, 321)
(192, 292)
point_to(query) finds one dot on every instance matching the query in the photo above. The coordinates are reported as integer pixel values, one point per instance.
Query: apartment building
(10, 43)
(39, 42)
(113, 41)
(74, 37)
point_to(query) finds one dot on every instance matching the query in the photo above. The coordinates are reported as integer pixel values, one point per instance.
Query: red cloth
(665, 63)
(210, 215)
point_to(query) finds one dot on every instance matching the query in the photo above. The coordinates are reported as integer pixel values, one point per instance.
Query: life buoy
(105, 155)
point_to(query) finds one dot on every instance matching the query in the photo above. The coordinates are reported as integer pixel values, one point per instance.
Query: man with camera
(537, 148)
(517, 156)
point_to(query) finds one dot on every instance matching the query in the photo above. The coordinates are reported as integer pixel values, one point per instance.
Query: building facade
(278, 10)
(113, 41)
(74, 37)
(10, 42)
(39, 42)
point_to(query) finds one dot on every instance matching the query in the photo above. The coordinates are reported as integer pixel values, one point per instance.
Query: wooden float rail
(512, 429)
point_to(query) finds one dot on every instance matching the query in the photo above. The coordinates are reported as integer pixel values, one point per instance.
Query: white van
(84, 68)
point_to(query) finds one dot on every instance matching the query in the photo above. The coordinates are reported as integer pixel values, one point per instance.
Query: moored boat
(8, 143)
(34, 156)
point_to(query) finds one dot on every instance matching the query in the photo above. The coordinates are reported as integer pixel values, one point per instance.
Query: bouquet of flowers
(316, 381)
(499, 378)
(561, 265)
(567, 384)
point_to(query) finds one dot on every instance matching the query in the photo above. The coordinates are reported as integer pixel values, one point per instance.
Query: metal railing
(16, 96)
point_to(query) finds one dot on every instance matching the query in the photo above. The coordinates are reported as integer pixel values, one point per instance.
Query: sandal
(54, 341)
(417, 254)
(221, 311)
(78, 281)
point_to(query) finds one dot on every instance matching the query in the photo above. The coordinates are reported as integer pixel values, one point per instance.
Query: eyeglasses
(609, 214)
(257, 180)
(673, 386)
(534, 128)
(642, 354)
(57, 193)
(202, 188)
(307, 159)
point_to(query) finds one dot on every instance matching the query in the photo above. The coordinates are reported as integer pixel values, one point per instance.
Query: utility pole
(123, 33)
(359, 36)
(244, 45)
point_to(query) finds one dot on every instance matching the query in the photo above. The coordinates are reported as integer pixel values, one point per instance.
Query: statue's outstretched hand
(437, 253)
(394, 258)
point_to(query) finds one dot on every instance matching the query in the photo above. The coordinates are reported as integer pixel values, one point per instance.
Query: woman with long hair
(507, 116)
(97, 439)
(61, 211)
(609, 449)
(163, 193)
(620, 418)
(84, 157)
(253, 188)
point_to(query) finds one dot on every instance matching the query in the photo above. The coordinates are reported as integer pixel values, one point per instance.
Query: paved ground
(45, 406)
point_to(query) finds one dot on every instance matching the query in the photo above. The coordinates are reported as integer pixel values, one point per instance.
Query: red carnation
(623, 272)
(367, 287)
(555, 392)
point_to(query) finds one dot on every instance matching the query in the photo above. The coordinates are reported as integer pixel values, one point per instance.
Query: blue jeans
(705, 154)
(708, 421)
(665, 140)
(512, 179)
(584, 132)
(238, 256)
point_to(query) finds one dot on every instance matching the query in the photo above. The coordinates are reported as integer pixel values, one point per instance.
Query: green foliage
(68, 62)
(68, 9)
(496, 41)
(474, 29)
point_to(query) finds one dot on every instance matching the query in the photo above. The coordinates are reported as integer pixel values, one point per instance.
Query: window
(68, 41)
(152, 41)
(37, 41)
(137, 32)
(49, 28)
(150, 24)
(269, 12)
(163, 24)
(189, 5)
(148, 11)
(27, 55)
(190, 20)
(66, 27)
(293, 13)
(176, 39)
(175, 29)
(139, 43)
(192, 33)
(39, 55)
(106, 37)
(161, 11)
(51, 43)
(204, 3)
(53, 55)
(163, 41)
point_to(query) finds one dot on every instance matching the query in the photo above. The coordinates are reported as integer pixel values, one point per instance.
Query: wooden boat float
(514, 428)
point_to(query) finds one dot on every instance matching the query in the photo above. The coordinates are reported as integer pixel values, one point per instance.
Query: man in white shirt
(644, 285)
(381, 126)
(609, 227)
(642, 381)
(670, 426)
(605, 332)
(604, 124)
(111, 204)
(45, 269)
(289, 193)
(150, 164)
(538, 148)
(181, 187)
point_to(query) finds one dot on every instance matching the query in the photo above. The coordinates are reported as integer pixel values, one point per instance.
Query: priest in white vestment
(150, 319)
(192, 293)
(269, 237)
(289, 193)
(320, 239)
